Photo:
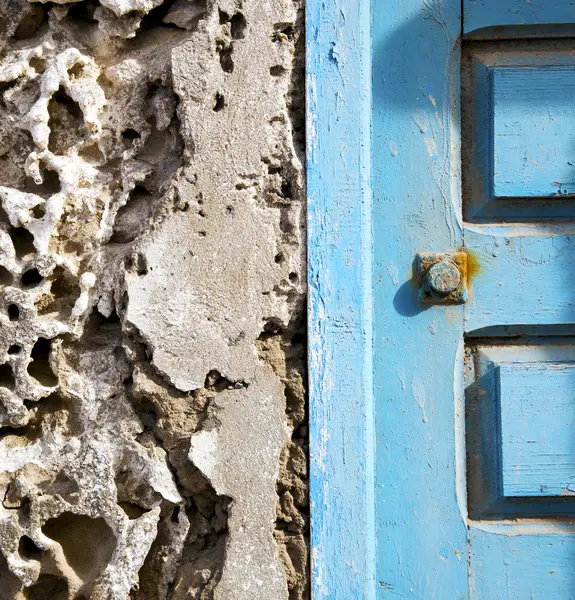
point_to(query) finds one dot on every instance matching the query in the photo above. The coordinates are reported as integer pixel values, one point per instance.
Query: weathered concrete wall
(152, 393)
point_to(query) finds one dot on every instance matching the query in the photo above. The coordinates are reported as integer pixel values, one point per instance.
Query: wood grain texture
(533, 131)
(340, 329)
(422, 545)
(480, 14)
(518, 154)
(520, 420)
(537, 404)
(524, 276)
(508, 566)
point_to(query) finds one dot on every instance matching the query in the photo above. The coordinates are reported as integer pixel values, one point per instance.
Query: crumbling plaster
(152, 356)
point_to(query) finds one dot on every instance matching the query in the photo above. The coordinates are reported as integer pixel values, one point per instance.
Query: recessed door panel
(520, 420)
(519, 150)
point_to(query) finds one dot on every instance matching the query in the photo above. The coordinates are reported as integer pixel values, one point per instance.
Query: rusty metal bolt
(443, 277)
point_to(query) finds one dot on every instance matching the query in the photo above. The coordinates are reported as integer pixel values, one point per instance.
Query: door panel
(519, 139)
(475, 432)
(520, 418)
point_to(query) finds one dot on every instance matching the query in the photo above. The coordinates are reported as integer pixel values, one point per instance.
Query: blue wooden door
(450, 473)
(474, 155)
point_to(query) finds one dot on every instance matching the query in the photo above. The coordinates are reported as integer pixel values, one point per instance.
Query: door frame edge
(341, 415)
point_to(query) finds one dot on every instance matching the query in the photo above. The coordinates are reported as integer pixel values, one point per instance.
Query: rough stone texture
(152, 393)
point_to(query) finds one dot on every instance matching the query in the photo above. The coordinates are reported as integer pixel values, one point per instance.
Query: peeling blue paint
(339, 246)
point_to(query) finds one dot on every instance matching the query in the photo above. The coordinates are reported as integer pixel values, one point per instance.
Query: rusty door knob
(443, 277)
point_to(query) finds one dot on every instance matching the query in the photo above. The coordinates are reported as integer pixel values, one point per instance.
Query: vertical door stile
(422, 535)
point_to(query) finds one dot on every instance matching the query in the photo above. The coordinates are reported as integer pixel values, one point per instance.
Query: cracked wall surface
(153, 435)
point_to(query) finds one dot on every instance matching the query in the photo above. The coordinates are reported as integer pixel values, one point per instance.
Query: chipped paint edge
(338, 60)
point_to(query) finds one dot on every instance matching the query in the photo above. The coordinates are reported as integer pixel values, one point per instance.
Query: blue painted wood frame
(339, 274)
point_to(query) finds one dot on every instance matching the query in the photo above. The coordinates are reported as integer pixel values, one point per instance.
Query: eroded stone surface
(151, 300)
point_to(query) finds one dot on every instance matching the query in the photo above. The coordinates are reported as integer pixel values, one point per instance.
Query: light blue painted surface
(517, 118)
(340, 329)
(525, 276)
(515, 417)
(422, 536)
(536, 566)
(412, 499)
(479, 14)
(533, 131)
(537, 403)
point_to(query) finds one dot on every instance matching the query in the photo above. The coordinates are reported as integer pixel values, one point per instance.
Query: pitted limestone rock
(151, 206)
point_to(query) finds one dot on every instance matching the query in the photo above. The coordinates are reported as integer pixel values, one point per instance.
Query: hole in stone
(9, 582)
(40, 368)
(83, 11)
(155, 18)
(13, 312)
(27, 548)
(134, 216)
(62, 98)
(224, 17)
(279, 258)
(31, 278)
(286, 226)
(74, 72)
(50, 184)
(48, 586)
(130, 134)
(216, 382)
(78, 534)
(38, 64)
(293, 277)
(132, 510)
(7, 379)
(137, 263)
(238, 26)
(14, 349)
(23, 242)
(230, 210)
(39, 211)
(66, 122)
(226, 61)
(283, 31)
(277, 71)
(64, 290)
(5, 276)
(31, 21)
(271, 327)
(220, 102)
(62, 286)
(92, 154)
(128, 137)
(286, 189)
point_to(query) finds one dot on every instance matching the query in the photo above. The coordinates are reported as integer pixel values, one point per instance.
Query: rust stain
(473, 266)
